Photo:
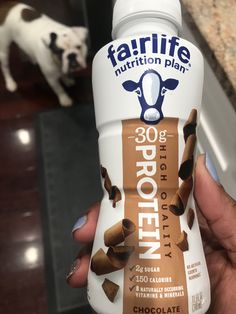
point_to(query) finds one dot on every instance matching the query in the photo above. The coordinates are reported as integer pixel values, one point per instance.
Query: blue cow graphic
(151, 91)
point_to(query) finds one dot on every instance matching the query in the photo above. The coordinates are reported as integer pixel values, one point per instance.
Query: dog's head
(68, 48)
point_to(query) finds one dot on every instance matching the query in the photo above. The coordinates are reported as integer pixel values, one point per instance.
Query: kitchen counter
(213, 24)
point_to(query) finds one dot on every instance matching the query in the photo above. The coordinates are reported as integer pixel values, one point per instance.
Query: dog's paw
(65, 101)
(11, 86)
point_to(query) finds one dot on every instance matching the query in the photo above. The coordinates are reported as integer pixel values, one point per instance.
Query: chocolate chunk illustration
(115, 259)
(190, 125)
(180, 199)
(101, 264)
(182, 242)
(110, 288)
(115, 195)
(112, 190)
(119, 255)
(186, 167)
(190, 218)
(107, 181)
(118, 232)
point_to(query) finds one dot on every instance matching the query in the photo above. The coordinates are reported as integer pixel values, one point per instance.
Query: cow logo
(151, 90)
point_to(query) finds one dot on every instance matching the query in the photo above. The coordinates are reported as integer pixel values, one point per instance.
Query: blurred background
(46, 151)
(33, 129)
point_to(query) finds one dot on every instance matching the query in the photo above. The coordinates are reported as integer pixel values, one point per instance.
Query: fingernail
(211, 168)
(74, 267)
(79, 223)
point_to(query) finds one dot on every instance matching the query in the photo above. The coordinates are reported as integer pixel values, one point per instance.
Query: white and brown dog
(59, 50)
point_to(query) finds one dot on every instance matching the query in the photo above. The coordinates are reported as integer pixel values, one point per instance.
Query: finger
(210, 243)
(77, 276)
(217, 207)
(85, 227)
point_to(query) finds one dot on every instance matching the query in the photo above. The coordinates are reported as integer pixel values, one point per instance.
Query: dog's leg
(64, 99)
(55, 84)
(9, 81)
(68, 81)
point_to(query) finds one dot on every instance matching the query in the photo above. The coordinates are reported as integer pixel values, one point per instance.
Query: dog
(59, 50)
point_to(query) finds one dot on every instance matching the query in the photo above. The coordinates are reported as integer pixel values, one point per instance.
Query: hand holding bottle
(217, 218)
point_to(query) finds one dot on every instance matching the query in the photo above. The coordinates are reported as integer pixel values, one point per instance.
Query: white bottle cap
(130, 9)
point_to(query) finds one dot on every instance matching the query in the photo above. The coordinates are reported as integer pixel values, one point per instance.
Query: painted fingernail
(74, 267)
(79, 223)
(211, 168)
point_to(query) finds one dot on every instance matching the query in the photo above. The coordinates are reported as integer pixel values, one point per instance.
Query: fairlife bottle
(147, 255)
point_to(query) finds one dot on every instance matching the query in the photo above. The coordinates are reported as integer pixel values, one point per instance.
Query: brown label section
(154, 278)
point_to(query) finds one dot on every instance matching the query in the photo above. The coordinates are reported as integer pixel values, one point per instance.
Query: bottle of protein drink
(147, 255)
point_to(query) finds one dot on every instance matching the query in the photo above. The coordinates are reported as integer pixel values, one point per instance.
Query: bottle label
(148, 257)
(150, 171)
(157, 54)
(150, 90)
(166, 51)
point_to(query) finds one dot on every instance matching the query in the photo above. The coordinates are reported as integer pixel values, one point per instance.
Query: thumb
(218, 208)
